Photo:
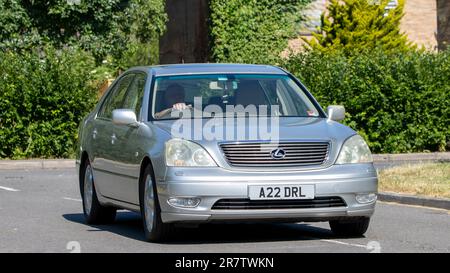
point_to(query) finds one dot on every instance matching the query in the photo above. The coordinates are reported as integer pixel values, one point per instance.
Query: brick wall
(420, 22)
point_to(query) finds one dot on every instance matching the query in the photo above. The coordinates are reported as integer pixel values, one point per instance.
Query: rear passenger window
(116, 97)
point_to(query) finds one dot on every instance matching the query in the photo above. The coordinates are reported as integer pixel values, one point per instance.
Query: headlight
(354, 150)
(185, 153)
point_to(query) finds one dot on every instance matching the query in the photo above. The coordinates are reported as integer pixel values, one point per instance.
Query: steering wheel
(169, 111)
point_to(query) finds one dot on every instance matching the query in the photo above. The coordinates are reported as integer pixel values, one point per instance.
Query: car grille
(245, 203)
(260, 154)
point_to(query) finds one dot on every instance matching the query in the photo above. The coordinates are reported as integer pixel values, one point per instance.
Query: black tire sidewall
(353, 228)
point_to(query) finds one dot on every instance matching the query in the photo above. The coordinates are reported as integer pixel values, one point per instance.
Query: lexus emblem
(278, 153)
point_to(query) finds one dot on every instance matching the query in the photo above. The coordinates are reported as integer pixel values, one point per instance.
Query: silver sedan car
(199, 143)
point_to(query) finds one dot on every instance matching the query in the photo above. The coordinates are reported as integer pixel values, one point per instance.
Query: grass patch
(430, 179)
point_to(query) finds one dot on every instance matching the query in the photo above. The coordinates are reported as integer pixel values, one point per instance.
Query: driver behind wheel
(174, 98)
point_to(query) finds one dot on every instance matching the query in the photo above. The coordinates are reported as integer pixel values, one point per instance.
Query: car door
(127, 151)
(104, 139)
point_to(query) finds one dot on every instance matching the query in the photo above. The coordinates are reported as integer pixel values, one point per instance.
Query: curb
(441, 203)
(412, 157)
(37, 164)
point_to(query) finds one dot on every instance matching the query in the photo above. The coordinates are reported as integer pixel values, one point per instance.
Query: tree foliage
(102, 27)
(53, 54)
(251, 31)
(354, 26)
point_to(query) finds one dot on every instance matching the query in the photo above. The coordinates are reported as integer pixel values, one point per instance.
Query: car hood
(233, 129)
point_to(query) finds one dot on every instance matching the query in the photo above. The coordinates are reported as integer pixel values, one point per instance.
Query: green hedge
(399, 102)
(252, 31)
(43, 96)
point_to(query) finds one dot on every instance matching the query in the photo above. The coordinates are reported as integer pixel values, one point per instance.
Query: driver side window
(134, 96)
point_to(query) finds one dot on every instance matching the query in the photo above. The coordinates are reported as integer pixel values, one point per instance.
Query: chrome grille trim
(258, 154)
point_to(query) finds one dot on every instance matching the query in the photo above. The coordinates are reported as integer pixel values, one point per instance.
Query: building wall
(420, 22)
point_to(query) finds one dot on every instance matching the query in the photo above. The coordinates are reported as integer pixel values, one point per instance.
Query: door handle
(113, 138)
(94, 134)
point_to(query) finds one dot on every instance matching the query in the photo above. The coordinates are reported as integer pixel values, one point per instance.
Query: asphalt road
(40, 211)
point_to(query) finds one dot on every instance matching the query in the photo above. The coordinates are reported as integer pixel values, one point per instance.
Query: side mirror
(124, 117)
(336, 112)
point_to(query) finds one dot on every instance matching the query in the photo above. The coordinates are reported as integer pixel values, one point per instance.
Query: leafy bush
(102, 27)
(53, 53)
(243, 31)
(353, 26)
(43, 97)
(398, 101)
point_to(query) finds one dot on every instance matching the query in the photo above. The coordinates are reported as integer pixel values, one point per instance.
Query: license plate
(281, 192)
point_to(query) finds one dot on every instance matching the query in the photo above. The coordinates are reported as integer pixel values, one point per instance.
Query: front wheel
(351, 227)
(94, 212)
(155, 230)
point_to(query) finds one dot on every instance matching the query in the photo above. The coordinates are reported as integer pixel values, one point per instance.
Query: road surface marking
(72, 199)
(343, 243)
(8, 189)
(338, 242)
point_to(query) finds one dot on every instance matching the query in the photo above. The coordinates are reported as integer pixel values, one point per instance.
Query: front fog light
(366, 198)
(185, 202)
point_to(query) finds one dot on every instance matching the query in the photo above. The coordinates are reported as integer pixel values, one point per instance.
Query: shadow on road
(129, 224)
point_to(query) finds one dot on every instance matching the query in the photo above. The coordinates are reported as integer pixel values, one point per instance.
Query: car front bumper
(213, 184)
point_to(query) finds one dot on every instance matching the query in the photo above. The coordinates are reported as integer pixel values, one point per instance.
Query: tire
(94, 212)
(155, 230)
(350, 228)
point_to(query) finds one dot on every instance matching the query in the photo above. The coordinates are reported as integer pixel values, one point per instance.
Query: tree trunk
(443, 30)
(186, 37)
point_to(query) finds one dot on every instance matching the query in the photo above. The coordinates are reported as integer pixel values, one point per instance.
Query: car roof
(213, 68)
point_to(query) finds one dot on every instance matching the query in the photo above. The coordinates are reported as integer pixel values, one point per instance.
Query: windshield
(189, 96)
